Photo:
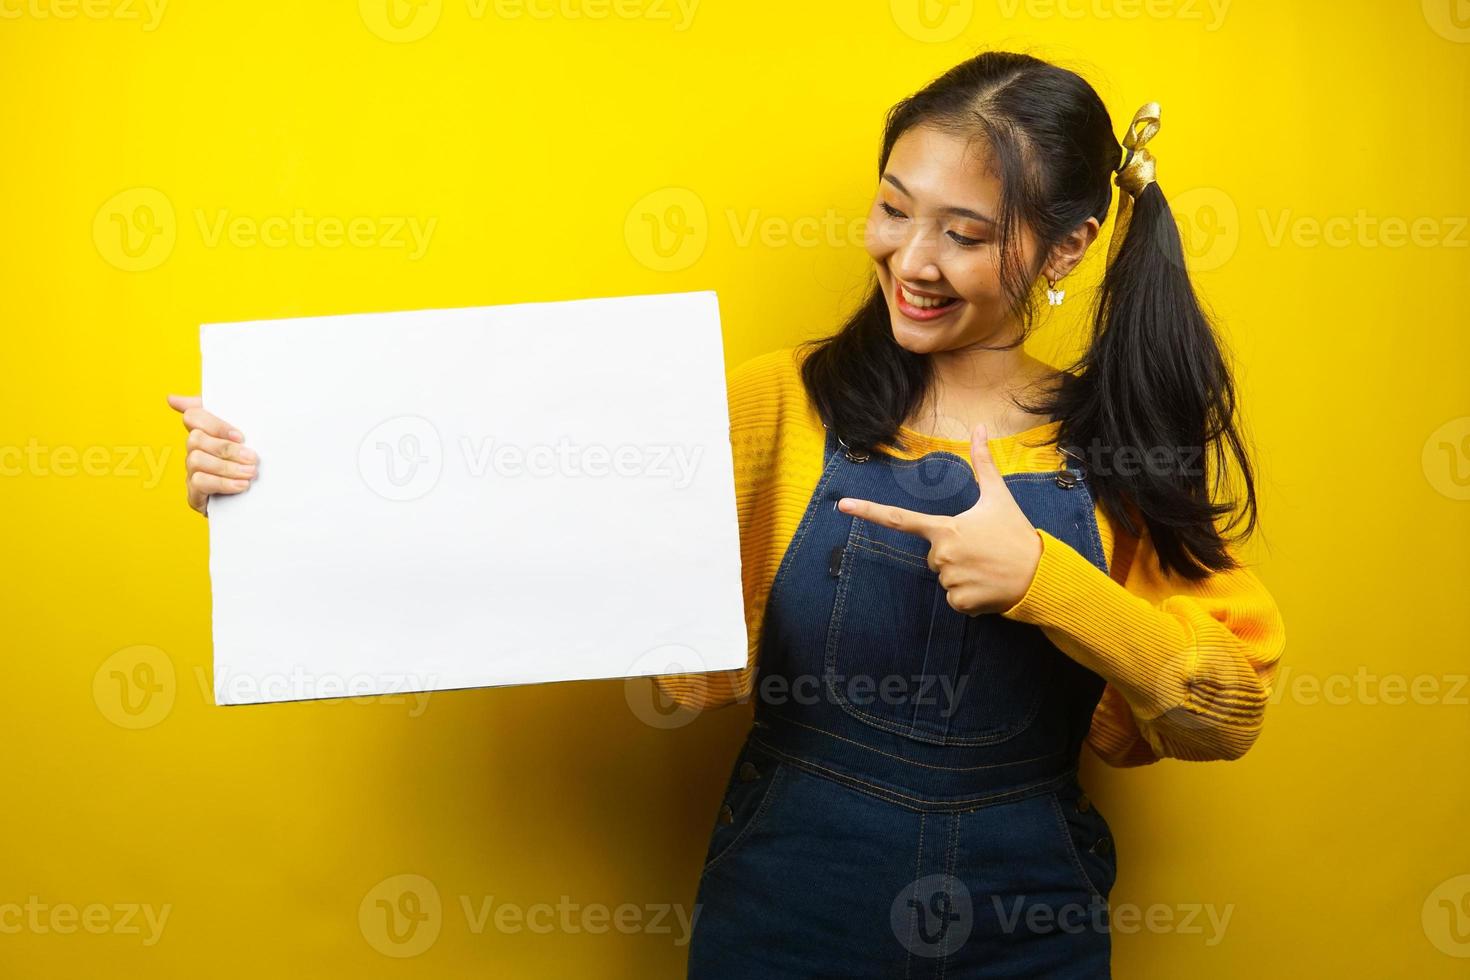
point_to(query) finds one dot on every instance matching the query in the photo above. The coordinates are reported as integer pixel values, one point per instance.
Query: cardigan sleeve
(754, 392)
(1189, 664)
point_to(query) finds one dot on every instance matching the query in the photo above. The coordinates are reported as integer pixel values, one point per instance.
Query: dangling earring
(1054, 296)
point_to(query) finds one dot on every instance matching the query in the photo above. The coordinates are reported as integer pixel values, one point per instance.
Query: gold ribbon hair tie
(1137, 170)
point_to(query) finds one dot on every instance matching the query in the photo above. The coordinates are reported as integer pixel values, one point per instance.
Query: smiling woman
(962, 565)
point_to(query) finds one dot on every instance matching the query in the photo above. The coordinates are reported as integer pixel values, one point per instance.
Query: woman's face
(932, 235)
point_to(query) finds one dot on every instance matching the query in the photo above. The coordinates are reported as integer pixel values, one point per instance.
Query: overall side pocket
(749, 793)
(1088, 841)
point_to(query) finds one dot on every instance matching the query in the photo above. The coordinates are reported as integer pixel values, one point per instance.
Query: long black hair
(1151, 402)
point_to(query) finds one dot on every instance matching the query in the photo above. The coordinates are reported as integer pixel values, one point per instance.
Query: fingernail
(247, 456)
(237, 435)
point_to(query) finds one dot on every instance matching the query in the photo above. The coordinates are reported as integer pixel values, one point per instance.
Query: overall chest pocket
(899, 658)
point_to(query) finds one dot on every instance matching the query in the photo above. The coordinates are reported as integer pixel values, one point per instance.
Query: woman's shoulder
(776, 434)
(767, 389)
(782, 365)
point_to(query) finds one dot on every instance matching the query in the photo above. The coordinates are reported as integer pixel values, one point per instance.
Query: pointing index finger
(908, 521)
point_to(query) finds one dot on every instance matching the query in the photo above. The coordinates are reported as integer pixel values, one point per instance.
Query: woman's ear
(1069, 251)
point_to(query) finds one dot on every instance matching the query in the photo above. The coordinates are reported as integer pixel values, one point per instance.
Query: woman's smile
(923, 306)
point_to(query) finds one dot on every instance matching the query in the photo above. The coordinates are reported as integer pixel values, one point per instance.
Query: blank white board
(474, 497)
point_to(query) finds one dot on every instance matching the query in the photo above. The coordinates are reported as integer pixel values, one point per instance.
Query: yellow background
(546, 141)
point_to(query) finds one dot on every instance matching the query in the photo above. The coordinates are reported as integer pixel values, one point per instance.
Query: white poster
(474, 497)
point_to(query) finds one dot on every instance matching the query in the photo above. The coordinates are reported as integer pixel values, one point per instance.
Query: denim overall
(906, 803)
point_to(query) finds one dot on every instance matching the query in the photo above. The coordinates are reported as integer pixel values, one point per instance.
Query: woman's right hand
(217, 460)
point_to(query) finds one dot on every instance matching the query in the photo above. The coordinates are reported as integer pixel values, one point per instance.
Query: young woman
(961, 564)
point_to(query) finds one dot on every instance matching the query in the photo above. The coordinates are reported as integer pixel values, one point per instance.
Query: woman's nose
(914, 259)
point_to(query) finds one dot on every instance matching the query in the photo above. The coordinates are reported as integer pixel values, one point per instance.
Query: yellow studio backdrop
(172, 162)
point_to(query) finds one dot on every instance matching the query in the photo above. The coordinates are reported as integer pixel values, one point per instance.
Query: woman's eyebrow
(960, 212)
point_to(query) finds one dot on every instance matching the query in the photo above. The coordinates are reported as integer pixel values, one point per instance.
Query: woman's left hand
(986, 557)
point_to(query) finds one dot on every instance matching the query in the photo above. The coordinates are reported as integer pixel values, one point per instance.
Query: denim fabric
(906, 803)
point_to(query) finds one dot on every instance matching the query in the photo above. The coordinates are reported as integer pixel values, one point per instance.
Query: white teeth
(922, 302)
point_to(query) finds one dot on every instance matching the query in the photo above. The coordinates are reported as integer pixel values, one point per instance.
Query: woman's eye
(966, 242)
(890, 210)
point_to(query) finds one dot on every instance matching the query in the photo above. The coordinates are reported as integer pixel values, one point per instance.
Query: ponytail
(1153, 405)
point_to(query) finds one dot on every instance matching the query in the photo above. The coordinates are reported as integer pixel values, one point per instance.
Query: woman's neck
(973, 386)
